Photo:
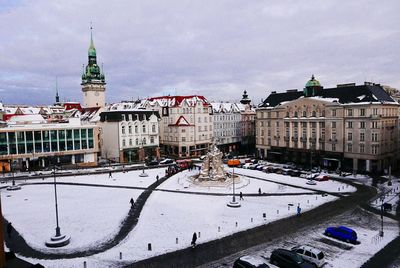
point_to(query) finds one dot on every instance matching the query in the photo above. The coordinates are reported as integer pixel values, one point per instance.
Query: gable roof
(344, 94)
(181, 122)
(176, 101)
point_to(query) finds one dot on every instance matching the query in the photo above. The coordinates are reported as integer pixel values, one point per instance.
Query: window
(362, 112)
(333, 147)
(362, 148)
(136, 129)
(123, 129)
(287, 114)
(374, 137)
(362, 136)
(333, 124)
(349, 147)
(362, 124)
(130, 142)
(183, 138)
(375, 149)
(144, 141)
(153, 128)
(144, 128)
(349, 124)
(349, 136)
(349, 112)
(304, 114)
(137, 141)
(151, 139)
(123, 143)
(314, 114)
(375, 111)
(130, 129)
(374, 124)
(296, 114)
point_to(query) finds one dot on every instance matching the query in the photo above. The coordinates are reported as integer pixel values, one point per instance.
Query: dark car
(250, 262)
(288, 259)
(342, 233)
(152, 163)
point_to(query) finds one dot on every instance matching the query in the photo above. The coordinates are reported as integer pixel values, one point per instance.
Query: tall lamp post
(143, 174)
(233, 203)
(58, 240)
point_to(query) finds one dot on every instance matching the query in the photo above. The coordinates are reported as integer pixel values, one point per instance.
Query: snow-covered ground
(166, 216)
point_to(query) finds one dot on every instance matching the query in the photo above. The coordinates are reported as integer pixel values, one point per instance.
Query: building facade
(93, 80)
(349, 127)
(129, 135)
(227, 126)
(34, 144)
(248, 128)
(186, 126)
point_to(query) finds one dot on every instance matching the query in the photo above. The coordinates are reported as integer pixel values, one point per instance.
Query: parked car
(202, 157)
(152, 163)
(322, 178)
(311, 182)
(166, 161)
(342, 233)
(387, 206)
(253, 166)
(234, 163)
(294, 173)
(285, 171)
(247, 165)
(288, 259)
(250, 262)
(310, 254)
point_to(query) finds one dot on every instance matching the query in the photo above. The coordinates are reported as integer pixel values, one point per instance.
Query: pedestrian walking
(110, 174)
(259, 191)
(9, 229)
(132, 202)
(194, 238)
(241, 196)
(157, 177)
(298, 210)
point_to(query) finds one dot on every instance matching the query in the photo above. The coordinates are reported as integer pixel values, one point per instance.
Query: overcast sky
(216, 48)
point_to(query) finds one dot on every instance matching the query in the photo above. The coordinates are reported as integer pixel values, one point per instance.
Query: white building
(186, 127)
(227, 126)
(129, 134)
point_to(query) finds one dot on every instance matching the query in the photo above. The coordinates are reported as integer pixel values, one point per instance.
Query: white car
(247, 165)
(313, 255)
(166, 161)
(311, 182)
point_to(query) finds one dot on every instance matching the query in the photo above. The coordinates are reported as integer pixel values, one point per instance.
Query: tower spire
(57, 97)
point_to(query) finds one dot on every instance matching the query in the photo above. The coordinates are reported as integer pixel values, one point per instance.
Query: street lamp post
(58, 240)
(233, 203)
(143, 174)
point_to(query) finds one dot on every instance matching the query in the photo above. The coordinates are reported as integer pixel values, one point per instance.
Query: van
(233, 162)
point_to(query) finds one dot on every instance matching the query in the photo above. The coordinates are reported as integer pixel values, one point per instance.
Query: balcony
(286, 138)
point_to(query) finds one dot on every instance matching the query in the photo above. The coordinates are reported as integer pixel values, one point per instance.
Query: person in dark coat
(157, 177)
(259, 191)
(132, 202)
(241, 196)
(298, 210)
(110, 175)
(9, 229)
(194, 238)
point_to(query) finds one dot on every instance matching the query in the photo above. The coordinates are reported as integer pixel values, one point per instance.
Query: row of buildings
(350, 127)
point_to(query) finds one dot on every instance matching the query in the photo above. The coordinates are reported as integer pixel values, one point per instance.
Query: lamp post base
(233, 204)
(143, 174)
(58, 241)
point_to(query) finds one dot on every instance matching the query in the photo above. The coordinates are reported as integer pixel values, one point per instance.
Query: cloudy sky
(216, 48)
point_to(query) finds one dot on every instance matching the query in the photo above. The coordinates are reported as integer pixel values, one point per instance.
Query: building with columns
(93, 80)
(349, 127)
(186, 126)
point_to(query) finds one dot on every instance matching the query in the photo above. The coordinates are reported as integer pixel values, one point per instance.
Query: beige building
(350, 127)
(186, 126)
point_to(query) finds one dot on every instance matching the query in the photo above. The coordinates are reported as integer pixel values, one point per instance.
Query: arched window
(137, 141)
(123, 129)
(323, 113)
(287, 114)
(296, 114)
(144, 128)
(130, 142)
(123, 143)
(304, 114)
(151, 140)
(314, 114)
(130, 129)
(136, 129)
(153, 128)
(144, 141)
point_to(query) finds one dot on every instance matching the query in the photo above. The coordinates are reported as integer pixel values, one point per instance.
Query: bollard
(120, 255)
(308, 201)
(149, 246)
(84, 264)
(251, 219)
(264, 215)
(236, 224)
(199, 235)
(219, 229)
(277, 211)
(176, 240)
(288, 207)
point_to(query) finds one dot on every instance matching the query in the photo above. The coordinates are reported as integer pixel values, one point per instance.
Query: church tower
(93, 80)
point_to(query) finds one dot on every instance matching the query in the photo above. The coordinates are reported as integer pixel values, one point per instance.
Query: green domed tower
(93, 80)
(312, 88)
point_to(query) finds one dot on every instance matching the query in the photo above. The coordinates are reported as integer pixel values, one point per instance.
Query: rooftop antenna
(57, 97)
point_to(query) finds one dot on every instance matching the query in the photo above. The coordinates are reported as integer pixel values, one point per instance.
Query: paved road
(214, 250)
